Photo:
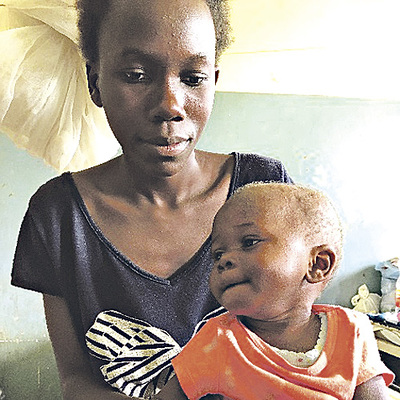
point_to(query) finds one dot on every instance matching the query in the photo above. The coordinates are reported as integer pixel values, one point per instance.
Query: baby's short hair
(307, 211)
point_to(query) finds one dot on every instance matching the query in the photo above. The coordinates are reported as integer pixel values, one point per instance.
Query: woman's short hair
(92, 12)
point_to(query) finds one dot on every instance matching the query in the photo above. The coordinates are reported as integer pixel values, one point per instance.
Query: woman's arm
(373, 389)
(77, 380)
(173, 391)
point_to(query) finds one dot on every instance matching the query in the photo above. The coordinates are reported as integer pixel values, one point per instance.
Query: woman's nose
(170, 102)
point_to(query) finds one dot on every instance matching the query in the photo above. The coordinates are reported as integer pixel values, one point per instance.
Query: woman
(131, 237)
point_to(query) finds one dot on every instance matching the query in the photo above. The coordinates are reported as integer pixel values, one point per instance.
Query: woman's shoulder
(52, 189)
(251, 167)
(56, 198)
(214, 161)
(257, 160)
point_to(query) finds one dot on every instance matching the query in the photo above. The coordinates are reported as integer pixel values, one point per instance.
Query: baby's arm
(373, 389)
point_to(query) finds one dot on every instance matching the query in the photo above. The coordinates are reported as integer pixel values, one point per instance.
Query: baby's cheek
(213, 283)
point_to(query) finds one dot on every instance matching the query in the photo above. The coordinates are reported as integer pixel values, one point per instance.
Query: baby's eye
(249, 242)
(194, 79)
(135, 76)
(216, 255)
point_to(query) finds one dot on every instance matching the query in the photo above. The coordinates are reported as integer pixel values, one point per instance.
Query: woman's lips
(171, 149)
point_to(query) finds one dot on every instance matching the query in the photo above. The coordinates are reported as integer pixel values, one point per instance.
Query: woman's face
(155, 78)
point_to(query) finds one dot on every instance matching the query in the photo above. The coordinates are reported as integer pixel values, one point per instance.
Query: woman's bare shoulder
(211, 156)
(218, 163)
(93, 179)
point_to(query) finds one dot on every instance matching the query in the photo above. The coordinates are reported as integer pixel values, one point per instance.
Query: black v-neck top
(62, 252)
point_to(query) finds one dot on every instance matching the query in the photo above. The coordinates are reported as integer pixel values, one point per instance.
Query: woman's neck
(124, 178)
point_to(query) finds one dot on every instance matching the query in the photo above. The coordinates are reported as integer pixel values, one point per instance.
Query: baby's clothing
(62, 252)
(309, 357)
(227, 358)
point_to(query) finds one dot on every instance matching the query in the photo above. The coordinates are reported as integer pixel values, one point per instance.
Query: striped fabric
(212, 314)
(139, 354)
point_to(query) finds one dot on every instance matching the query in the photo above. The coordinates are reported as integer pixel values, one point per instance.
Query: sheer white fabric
(45, 105)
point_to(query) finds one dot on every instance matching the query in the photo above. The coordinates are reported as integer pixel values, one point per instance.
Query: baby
(275, 248)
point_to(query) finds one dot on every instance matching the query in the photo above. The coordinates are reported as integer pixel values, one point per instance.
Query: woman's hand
(77, 380)
(174, 391)
(171, 391)
(374, 389)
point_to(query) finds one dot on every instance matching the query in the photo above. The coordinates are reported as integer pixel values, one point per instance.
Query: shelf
(393, 395)
(388, 347)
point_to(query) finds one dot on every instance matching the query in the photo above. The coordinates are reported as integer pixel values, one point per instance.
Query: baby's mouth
(232, 285)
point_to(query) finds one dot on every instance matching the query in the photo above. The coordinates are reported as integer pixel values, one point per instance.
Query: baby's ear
(92, 78)
(216, 75)
(321, 265)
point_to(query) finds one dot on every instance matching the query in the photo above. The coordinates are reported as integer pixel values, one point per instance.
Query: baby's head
(275, 247)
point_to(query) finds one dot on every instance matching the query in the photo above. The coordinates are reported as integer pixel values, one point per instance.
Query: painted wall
(346, 147)
(27, 365)
(341, 48)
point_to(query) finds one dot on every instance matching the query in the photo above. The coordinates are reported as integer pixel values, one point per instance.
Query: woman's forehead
(172, 11)
(158, 23)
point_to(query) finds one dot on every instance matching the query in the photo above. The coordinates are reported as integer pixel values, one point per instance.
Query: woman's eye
(135, 76)
(194, 80)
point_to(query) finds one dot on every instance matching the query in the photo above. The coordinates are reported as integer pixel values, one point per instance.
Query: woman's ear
(92, 78)
(321, 265)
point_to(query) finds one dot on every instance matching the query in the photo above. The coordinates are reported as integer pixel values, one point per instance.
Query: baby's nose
(224, 264)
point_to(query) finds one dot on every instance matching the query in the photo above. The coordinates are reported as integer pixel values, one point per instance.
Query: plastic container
(398, 298)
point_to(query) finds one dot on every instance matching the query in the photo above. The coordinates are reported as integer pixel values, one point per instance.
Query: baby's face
(259, 261)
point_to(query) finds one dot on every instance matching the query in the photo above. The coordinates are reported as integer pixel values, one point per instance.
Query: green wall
(27, 365)
(347, 148)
